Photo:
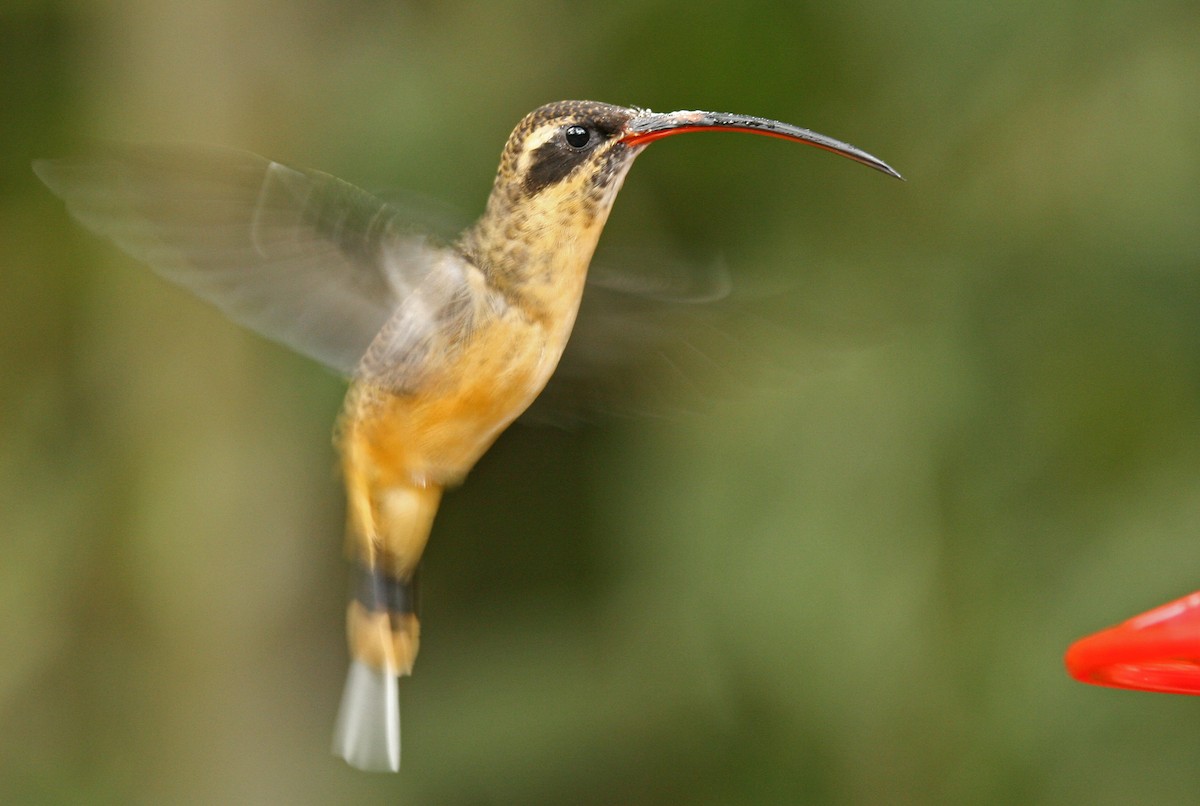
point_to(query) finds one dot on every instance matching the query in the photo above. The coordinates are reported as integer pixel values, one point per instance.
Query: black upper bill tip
(646, 127)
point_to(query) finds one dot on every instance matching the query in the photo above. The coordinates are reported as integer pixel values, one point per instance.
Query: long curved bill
(647, 127)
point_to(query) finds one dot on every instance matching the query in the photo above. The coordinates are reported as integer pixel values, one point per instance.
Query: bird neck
(535, 251)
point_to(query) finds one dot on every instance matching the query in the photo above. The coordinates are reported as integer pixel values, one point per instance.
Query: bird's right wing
(299, 256)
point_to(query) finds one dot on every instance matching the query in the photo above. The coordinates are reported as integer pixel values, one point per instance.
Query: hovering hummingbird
(445, 344)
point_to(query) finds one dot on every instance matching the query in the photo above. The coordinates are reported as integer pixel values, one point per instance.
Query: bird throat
(535, 250)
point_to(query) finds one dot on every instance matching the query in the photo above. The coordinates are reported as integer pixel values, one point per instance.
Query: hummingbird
(445, 344)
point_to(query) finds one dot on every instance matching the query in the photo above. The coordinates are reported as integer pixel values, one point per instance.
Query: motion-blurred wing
(299, 256)
(656, 337)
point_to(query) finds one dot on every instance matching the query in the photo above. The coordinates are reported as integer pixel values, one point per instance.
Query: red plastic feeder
(1156, 651)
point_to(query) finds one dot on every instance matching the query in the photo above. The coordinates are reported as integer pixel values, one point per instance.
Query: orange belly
(400, 450)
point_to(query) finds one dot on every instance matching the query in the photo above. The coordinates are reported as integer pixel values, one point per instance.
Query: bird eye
(577, 136)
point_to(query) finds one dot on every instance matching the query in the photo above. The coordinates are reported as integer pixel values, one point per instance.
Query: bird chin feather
(367, 734)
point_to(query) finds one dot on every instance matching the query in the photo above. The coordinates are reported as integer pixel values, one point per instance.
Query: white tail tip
(367, 734)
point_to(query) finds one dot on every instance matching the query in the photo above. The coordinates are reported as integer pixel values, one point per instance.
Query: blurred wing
(655, 338)
(299, 256)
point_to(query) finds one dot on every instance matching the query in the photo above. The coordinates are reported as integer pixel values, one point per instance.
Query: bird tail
(367, 733)
(386, 537)
(384, 634)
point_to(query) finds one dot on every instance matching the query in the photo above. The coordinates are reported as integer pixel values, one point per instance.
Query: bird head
(582, 149)
(564, 164)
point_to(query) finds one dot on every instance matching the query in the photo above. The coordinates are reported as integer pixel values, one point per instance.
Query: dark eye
(577, 136)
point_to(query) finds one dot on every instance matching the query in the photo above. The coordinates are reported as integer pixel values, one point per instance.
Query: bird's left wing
(657, 336)
(299, 256)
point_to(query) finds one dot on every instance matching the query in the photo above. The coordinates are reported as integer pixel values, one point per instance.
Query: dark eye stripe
(570, 146)
(551, 163)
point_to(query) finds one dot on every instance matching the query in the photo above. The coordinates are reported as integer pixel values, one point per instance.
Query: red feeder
(1156, 651)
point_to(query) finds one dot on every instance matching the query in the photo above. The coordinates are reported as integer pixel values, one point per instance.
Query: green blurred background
(850, 582)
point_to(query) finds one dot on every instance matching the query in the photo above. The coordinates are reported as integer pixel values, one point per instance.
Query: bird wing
(657, 336)
(299, 256)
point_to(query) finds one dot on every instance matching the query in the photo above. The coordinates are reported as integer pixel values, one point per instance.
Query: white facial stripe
(538, 137)
(541, 135)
